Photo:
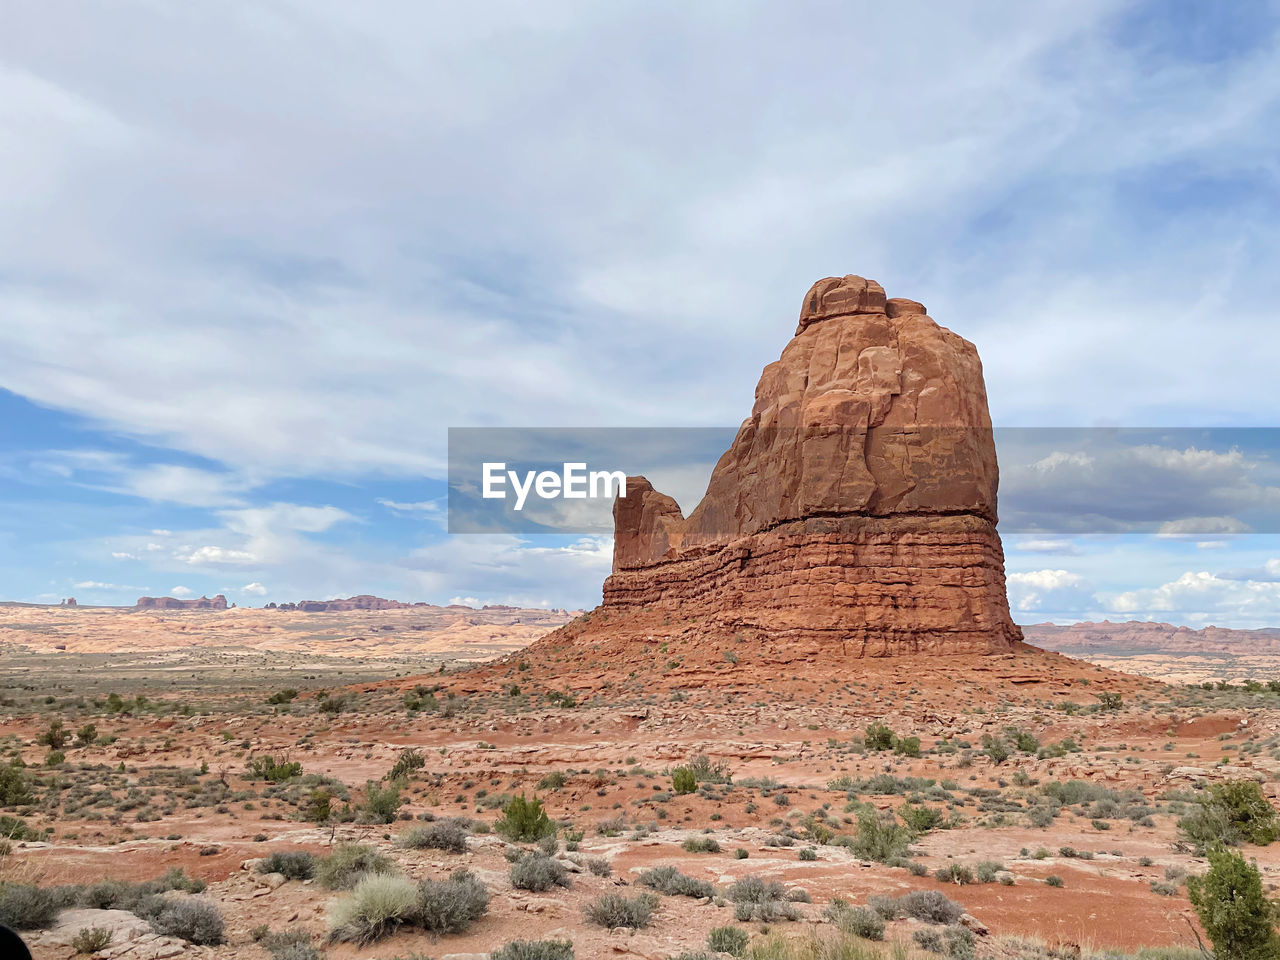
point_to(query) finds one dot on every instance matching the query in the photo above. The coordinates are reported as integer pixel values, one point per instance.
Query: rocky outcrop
(173, 603)
(856, 505)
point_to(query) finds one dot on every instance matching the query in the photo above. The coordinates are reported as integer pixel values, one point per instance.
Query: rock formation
(856, 507)
(1141, 636)
(173, 603)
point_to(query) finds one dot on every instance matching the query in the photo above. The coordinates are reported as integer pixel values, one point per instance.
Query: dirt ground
(164, 782)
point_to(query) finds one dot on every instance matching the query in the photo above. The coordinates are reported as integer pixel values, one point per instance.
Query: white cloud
(118, 555)
(98, 585)
(1045, 545)
(180, 591)
(1049, 590)
(255, 588)
(1199, 526)
(422, 506)
(1205, 596)
(211, 554)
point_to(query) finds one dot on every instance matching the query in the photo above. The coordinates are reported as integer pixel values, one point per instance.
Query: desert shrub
(858, 921)
(266, 768)
(920, 819)
(319, 806)
(91, 940)
(878, 737)
(755, 898)
(954, 873)
(1109, 701)
(701, 845)
(196, 921)
(704, 771)
(293, 864)
(730, 940)
(378, 905)
(451, 905)
(539, 872)
(683, 780)
(960, 942)
(24, 906)
(1233, 812)
(1054, 880)
(15, 828)
(85, 736)
(534, 950)
(987, 870)
(879, 838)
(1234, 910)
(343, 868)
(614, 910)
(996, 747)
(555, 780)
(929, 906)
(929, 939)
(669, 880)
(600, 867)
(289, 945)
(55, 736)
(381, 803)
(13, 786)
(807, 853)
(907, 746)
(282, 696)
(448, 835)
(524, 820)
(55, 758)
(408, 761)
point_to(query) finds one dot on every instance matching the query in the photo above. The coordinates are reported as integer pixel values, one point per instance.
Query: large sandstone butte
(856, 507)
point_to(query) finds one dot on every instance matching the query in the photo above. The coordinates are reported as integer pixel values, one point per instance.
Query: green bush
(534, 950)
(24, 906)
(196, 921)
(701, 845)
(405, 765)
(1234, 910)
(683, 780)
(377, 907)
(381, 803)
(755, 898)
(91, 940)
(266, 768)
(524, 821)
(878, 737)
(614, 910)
(539, 872)
(1232, 812)
(730, 940)
(857, 921)
(1054, 880)
(452, 905)
(667, 879)
(448, 835)
(920, 819)
(879, 838)
(293, 864)
(13, 786)
(343, 868)
(907, 746)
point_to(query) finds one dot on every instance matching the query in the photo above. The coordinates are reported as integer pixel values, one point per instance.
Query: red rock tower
(856, 507)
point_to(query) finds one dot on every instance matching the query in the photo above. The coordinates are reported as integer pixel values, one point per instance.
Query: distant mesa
(173, 603)
(1140, 636)
(68, 602)
(854, 512)
(362, 602)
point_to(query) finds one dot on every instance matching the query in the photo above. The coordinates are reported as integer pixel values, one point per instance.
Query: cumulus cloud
(180, 591)
(1049, 590)
(255, 588)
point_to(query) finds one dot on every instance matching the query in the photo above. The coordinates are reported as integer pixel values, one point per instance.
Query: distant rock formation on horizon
(855, 509)
(1141, 636)
(173, 603)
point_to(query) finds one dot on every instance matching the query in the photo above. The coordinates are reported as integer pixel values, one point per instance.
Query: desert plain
(1039, 795)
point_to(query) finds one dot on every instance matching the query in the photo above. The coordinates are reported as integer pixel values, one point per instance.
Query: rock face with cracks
(856, 507)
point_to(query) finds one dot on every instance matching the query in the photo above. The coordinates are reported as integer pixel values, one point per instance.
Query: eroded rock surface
(857, 504)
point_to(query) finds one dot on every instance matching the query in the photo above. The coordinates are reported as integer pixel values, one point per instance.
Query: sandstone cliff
(856, 507)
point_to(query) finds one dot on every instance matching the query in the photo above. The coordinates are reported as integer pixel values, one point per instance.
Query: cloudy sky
(256, 258)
